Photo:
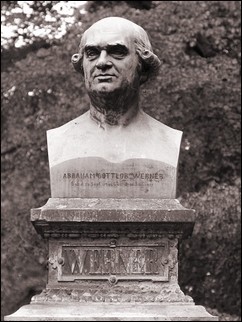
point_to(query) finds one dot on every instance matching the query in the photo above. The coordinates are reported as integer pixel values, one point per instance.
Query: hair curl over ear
(150, 63)
(76, 60)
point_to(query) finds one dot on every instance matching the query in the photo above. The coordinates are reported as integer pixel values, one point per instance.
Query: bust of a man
(115, 149)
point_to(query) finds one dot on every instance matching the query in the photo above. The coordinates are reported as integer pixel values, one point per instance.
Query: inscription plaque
(98, 178)
(147, 262)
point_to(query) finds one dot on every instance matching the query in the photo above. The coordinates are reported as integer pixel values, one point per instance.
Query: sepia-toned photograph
(121, 160)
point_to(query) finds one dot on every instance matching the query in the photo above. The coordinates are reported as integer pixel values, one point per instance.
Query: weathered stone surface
(111, 312)
(113, 250)
(131, 293)
(113, 261)
(71, 217)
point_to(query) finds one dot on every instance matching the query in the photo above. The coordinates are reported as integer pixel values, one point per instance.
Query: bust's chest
(114, 146)
(117, 164)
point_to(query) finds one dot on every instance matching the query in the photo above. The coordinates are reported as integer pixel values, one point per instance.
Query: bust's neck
(114, 110)
(112, 117)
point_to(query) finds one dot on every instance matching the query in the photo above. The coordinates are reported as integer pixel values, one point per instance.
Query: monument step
(111, 312)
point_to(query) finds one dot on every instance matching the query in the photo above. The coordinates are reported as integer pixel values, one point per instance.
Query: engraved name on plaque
(125, 262)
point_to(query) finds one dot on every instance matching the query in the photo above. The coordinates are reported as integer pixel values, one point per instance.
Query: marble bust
(115, 149)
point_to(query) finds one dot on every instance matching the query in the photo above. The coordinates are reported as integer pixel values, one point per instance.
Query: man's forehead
(103, 38)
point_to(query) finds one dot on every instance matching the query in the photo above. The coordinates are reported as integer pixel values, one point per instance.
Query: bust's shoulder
(68, 127)
(161, 130)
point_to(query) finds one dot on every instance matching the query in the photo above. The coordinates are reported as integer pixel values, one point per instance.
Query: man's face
(109, 61)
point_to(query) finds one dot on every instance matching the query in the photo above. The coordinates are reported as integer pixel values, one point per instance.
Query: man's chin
(105, 88)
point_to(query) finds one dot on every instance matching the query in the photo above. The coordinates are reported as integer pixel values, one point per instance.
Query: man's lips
(104, 75)
(105, 78)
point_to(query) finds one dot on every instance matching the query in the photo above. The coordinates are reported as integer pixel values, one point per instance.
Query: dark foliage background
(197, 91)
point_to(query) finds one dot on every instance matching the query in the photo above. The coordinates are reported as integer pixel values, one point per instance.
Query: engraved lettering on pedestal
(124, 262)
(114, 179)
(152, 261)
(129, 178)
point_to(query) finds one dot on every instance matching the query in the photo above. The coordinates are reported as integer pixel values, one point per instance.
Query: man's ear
(142, 71)
(76, 60)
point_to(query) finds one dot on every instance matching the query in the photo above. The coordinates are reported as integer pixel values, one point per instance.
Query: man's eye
(92, 53)
(118, 52)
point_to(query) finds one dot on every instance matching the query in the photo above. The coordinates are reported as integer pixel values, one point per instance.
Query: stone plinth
(112, 259)
(60, 216)
(110, 312)
(109, 246)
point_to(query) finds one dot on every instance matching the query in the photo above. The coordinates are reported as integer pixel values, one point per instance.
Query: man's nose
(103, 60)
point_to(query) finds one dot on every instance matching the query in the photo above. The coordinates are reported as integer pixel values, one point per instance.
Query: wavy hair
(150, 63)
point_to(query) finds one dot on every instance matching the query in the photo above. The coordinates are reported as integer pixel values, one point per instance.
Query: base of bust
(111, 312)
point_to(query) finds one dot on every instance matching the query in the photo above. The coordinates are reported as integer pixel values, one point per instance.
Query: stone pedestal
(110, 312)
(112, 259)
